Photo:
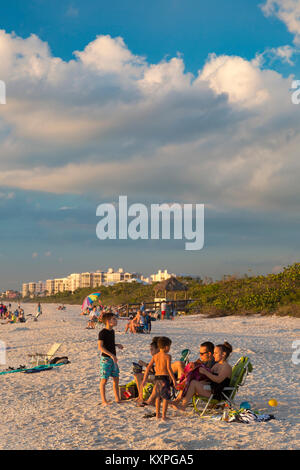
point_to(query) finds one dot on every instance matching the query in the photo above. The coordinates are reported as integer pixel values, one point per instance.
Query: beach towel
(248, 416)
(38, 368)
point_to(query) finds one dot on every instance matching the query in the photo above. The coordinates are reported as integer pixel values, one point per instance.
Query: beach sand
(60, 408)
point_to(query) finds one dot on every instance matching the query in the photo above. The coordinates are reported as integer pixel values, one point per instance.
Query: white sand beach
(60, 408)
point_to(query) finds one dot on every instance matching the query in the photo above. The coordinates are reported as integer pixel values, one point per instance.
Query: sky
(163, 101)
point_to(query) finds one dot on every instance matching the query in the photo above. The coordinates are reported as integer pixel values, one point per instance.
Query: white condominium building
(84, 280)
(98, 278)
(50, 286)
(161, 276)
(25, 290)
(60, 285)
(74, 282)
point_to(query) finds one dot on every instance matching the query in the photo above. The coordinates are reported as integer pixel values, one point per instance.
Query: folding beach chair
(42, 358)
(238, 377)
(185, 355)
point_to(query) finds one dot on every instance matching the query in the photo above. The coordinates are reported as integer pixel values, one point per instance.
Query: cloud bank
(109, 123)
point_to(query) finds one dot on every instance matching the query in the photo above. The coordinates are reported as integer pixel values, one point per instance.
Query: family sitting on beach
(209, 374)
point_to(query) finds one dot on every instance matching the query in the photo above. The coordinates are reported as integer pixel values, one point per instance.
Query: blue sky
(157, 29)
(174, 102)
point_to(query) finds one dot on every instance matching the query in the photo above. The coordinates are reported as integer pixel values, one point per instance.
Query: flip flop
(142, 404)
(150, 415)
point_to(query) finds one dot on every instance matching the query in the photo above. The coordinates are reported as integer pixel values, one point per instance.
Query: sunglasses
(202, 353)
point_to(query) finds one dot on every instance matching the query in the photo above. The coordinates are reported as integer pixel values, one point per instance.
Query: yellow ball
(273, 402)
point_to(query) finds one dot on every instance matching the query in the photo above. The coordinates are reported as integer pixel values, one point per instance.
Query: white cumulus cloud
(108, 123)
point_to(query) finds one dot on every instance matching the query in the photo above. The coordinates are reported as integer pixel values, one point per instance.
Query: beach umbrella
(90, 300)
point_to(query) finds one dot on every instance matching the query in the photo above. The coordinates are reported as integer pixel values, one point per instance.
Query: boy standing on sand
(108, 361)
(163, 373)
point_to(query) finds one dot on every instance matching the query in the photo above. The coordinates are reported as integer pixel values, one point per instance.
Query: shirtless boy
(163, 374)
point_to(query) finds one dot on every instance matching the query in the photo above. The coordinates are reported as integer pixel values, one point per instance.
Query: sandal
(150, 415)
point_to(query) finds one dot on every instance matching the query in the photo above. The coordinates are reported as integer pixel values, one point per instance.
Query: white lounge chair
(44, 358)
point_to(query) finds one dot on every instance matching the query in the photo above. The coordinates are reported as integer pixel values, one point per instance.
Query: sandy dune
(59, 409)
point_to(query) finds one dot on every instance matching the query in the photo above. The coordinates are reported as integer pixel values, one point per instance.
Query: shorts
(108, 368)
(163, 387)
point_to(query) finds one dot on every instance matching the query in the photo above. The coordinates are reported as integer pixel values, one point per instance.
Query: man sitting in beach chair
(192, 370)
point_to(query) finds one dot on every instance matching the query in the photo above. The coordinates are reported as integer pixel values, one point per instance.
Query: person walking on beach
(163, 309)
(39, 310)
(163, 375)
(108, 361)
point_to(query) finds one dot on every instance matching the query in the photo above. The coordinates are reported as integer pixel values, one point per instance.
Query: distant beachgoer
(21, 317)
(93, 318)
(136, 322)
(128, 324)
(108, 362)
(174, 311)
(163, 309)
(147, 322)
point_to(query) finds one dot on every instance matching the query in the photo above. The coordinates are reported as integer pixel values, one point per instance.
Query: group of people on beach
(210, 374)
(140, 323)
(95, 315)
(6, 313)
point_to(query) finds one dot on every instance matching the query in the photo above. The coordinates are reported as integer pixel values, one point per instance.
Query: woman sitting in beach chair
(216, 380)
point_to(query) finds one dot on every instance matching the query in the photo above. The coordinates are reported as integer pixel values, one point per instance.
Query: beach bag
(147, 390)
(128, 391)
(59, 360)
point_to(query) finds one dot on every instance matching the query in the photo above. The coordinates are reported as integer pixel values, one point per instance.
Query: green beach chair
(185, 355)
(238, 377)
